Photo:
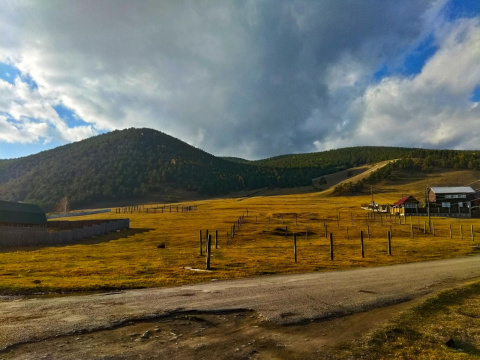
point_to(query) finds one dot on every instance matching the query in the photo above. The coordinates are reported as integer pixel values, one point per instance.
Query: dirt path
(233, 319)
(221, 335)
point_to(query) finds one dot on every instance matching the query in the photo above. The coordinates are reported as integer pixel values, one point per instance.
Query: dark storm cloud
(243, 78)
(296, 43)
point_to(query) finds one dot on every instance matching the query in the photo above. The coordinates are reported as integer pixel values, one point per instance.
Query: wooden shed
(13, 213)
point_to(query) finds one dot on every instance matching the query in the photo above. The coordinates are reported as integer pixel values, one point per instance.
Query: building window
(460, 204)
(445, 204)
(460, 196)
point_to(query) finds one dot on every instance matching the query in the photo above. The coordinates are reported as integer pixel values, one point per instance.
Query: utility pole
(373, 206)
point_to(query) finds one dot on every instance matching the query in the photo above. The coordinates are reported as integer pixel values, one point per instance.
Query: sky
(248, 78)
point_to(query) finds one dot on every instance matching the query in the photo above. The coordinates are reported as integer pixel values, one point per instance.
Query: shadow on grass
(467, 348)
(120, 234)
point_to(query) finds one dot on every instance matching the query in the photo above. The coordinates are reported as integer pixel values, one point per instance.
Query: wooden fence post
(450, 231)
(389, 243)
(209, 242)
(295, 246)
(331, 246)
(473, 236)
(361, 243)
(461, 232)
(216, 239)
(201, 245)
(323, 221)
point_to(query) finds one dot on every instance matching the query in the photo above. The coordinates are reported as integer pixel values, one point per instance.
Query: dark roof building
(13, 213)
(451, 201)
(451, 196)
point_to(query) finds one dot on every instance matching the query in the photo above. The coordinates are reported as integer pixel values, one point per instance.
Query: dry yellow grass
(131, 259)
(422, 332)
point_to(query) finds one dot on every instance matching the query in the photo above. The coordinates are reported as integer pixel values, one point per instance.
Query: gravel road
(284, 299)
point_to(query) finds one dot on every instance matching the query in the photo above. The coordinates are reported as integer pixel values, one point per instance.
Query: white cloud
(32, 117)
(431, 109)
(23, 132)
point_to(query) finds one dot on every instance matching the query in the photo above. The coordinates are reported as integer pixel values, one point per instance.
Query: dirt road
(277, 300)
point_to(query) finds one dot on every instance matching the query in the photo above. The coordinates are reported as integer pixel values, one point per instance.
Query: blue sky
(252, 79)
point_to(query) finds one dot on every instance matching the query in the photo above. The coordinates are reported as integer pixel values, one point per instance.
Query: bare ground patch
(216, 335)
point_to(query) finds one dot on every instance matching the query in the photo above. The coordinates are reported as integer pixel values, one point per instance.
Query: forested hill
(110, 166)
(340, 159)
(133, 163)
(346, 157)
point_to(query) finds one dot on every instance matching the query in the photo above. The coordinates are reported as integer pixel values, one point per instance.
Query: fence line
(78, 213)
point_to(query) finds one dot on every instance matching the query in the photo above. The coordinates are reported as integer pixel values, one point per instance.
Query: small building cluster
(450, 201)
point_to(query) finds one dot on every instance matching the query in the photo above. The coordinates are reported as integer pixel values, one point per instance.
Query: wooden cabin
(406, 205)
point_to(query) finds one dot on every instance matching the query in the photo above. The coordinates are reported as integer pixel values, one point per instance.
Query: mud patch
(238, 334)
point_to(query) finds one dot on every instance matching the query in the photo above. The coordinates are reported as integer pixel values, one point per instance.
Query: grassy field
(131, 259)
(444, 327)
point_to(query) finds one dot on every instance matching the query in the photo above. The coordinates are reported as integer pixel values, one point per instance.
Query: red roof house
(407, 202)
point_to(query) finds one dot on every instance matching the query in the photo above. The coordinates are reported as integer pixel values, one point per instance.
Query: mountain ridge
(132, 163)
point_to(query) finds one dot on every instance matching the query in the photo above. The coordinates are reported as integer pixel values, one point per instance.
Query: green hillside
(134, 163)
(348, 157)
(128, 164)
